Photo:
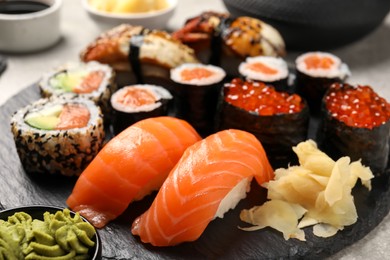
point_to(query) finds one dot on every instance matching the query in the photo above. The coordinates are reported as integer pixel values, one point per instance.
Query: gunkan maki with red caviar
(355, 123)
(278, 119)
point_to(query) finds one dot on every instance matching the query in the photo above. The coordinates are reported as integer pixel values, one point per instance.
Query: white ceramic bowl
(31, 31)
(150, 20)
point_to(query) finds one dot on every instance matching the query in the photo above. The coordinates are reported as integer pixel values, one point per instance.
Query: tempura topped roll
(356, 123)
(266, 69)
(196, 94)
(316, 71)
(133, 103)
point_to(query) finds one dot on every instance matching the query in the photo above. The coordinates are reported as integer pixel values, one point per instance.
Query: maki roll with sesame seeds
(58, 135)
(315, 72)
(196, 93)
(267, 69)
(91, 80)
(278, 119)
(355, 123)
(134, 103)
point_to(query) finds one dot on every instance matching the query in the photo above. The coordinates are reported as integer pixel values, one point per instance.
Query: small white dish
(28, 32)
(151, 20)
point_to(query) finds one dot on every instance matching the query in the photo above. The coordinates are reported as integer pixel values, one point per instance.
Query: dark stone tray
(221, 240)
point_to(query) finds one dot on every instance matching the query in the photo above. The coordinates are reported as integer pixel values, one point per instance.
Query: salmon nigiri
(130, 166)
(212, 176)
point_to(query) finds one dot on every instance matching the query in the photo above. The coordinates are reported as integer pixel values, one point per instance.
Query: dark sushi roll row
(267, 69)
(91, 80)
(278, 119)
(134, 103)
(355, 123)
(58, 135)
(196, 92)
(315, 72)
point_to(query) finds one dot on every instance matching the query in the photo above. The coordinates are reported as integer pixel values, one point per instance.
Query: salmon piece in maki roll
(134, 103)
(196, 93)
(58, 135)
(270, 70)
(278, 119)
(355, 123)
(316, 71)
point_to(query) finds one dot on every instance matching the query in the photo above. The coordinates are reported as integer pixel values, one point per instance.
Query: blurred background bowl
(36, 212)
(23, 31)
(151, 20)
(315, 24)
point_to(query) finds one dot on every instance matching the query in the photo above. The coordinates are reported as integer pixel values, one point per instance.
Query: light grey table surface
(368, 59)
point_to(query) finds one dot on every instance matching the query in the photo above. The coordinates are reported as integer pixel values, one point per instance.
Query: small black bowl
(36, 212)
(315, 25)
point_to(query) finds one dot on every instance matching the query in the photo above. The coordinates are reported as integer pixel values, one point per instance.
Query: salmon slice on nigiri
(129, 167)
(212, 176)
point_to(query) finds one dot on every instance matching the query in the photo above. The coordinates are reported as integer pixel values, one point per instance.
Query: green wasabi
(58, 236)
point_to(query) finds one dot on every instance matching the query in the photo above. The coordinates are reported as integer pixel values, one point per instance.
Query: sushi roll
(211, 177)
(270, 70)
(225, 41)
(58, 135)
(138, 55)
(278, 119)
(90, 80)
(196, 92)
(315, 72)
(355, 123)
(134, 103)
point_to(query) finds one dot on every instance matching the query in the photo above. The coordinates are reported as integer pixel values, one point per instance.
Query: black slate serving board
(222, 238)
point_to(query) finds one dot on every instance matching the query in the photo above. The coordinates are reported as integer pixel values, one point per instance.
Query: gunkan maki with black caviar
(355, 123)
(278, 119)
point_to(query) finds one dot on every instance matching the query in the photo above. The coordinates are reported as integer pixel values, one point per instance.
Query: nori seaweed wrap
(196, 93)
(60, 135)
(278, 119)
(355, 123)
(134, 103)
(315, 72)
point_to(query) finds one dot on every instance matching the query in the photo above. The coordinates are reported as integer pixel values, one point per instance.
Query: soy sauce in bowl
(21, 7)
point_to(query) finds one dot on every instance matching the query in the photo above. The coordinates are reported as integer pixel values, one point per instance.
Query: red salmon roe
(357, 106)
(261, 98)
